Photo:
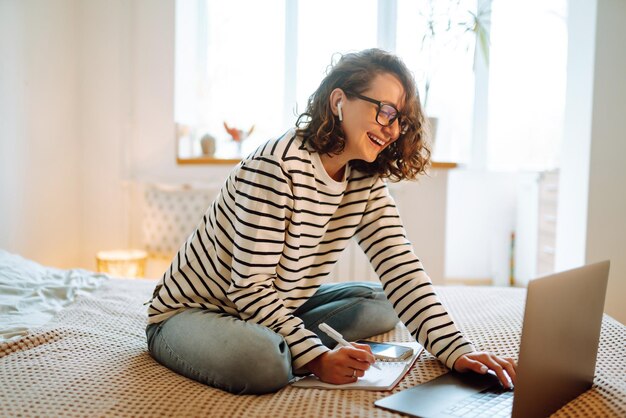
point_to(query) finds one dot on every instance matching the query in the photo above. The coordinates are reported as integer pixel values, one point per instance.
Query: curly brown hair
(405, 158)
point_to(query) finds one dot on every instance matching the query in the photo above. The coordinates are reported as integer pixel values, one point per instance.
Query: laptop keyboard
(491, 402)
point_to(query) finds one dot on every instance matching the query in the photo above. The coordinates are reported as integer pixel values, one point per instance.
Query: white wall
(592, 200)
(105, 97)
(606, 225)
(40, 174)
(480, 219)
(86, 110)
(422, 205)
(574, 162)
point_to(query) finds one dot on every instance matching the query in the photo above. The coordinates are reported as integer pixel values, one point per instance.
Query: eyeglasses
(386, 114)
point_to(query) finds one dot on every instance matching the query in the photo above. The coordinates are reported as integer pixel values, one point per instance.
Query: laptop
(557, 357)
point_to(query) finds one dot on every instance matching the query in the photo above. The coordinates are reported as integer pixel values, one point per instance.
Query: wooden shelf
(233, 161)
(207, 160)
(444, 165)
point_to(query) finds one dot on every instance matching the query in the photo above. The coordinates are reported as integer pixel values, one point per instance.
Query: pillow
(172, 213)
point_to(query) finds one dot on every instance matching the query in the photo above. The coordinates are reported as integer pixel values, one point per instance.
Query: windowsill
(233, 161)
(207, 160)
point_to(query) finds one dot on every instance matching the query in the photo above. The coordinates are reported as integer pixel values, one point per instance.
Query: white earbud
(339, 112)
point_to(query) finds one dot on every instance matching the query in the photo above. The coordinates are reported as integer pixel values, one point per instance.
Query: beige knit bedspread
(91, 360)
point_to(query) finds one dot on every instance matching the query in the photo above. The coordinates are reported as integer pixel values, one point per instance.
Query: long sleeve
(382, 237)
(261, 200)
(271, 238)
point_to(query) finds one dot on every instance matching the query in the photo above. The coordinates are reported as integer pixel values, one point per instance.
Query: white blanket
(30, 294)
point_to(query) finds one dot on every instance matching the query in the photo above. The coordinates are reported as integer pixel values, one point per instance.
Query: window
(445, 61)
(527, 80)
(256, 63)
(351, 26)
(230, 58)
(251, 63)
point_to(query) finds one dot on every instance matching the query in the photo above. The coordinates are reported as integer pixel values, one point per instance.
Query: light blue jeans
(246, 358)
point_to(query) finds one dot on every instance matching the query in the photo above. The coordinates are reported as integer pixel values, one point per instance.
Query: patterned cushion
(171, 213)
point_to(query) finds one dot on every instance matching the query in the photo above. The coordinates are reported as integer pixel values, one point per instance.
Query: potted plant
(449, 24)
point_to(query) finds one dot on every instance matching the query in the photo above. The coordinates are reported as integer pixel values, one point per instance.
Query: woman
(240, 305)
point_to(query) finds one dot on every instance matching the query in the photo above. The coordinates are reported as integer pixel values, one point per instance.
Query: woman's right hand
(343, 364)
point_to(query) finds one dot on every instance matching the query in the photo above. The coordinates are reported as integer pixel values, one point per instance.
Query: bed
(89, 358)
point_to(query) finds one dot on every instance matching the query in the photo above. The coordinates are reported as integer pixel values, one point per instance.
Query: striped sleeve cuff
(463, 348)
(304, 346)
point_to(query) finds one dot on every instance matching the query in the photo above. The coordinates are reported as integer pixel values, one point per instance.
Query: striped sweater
(274, 233)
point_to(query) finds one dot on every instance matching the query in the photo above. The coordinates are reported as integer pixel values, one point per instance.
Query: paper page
(385, 379)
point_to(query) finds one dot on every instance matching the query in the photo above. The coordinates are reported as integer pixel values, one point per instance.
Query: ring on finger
(353, 372)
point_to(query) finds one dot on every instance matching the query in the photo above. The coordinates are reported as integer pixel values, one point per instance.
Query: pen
(338, 337)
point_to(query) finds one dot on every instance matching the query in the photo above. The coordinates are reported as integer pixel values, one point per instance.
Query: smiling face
(365, 137)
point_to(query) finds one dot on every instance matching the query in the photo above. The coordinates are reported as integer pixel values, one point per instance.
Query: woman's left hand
(481, 362)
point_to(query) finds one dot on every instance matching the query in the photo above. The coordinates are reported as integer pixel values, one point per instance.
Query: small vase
(239, 152)
(432, 130)
(208, 145)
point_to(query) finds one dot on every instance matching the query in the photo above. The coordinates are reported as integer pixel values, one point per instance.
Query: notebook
(385, 379)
